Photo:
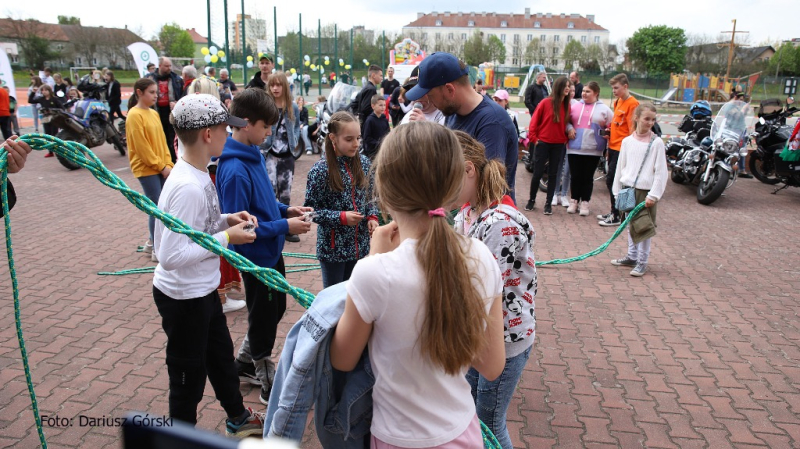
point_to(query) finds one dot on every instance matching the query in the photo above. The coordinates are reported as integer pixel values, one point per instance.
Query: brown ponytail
(141, 84)
(421, 167)
(492, 185)
(335, 125)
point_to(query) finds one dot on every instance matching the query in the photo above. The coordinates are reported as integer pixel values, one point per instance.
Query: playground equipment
(406, 52)
(686, 88)
(486, 73)
(533, 71)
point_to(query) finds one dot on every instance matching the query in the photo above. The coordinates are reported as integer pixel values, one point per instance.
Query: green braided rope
(150, 270)
(15, 287)
(602, 247)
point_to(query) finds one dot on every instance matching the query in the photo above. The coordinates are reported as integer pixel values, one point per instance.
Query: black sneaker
(293, 238)
(548, 209)
(247, 373)
(264, 396)
(745, 175)
(610, 221)
(624, 262)
(603, 216)
(639, 270)
(529, 205)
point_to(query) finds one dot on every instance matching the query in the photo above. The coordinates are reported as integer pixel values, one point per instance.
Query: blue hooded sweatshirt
(243, 185)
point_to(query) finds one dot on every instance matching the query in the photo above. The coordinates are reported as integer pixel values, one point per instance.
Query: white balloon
(249, 64)
(213, 50)
(321, 69)
(207, 59)
(307, 58)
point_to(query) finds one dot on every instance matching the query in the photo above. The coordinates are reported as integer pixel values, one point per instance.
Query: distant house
(448, 31)
(75, 45)
(717, 54)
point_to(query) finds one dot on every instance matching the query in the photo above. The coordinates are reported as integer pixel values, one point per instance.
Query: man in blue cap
(445, 81)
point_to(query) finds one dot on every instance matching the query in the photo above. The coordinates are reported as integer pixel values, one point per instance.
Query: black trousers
(542, 154)
(613, 157)
(581, 170)
(5, 127)
(265, 308)
(116, 109)
(198, 346)
(169, 131)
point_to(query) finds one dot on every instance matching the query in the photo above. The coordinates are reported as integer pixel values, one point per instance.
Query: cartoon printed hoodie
(510, 236)
(587, 120)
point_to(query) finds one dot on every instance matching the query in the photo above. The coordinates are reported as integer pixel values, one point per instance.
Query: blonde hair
(420, 167)
(203, 85)
(280, 78)
(638, 112)
(335, 126)
(492, 185)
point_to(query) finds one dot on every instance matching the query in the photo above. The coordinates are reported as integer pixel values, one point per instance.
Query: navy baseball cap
(436, 70)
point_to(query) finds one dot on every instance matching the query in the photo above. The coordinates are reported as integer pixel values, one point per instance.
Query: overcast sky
(763, 18)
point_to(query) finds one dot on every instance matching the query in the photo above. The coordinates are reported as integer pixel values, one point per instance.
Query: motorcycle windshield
(732, 121)
(341, 96)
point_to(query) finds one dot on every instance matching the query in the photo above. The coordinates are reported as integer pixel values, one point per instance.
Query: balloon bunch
(212, 55)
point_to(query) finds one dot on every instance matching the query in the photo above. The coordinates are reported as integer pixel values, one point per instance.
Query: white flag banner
(143, 54)
(6, 77)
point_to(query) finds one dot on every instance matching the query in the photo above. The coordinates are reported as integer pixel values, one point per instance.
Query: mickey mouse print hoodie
(510, 236)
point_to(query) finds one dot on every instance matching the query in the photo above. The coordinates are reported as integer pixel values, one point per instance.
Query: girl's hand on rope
(385, 239)
(298, 225)
(297, 211)
(17, 153)
(238, 236)
(242, 217)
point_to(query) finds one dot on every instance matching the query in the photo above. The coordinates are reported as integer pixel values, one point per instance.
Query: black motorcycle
(706, 157)
(771, 134)
(89, 124)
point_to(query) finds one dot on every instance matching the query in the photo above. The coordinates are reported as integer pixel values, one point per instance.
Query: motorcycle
(708, 162)
(339, 100)
(89, 124)
(770, 136)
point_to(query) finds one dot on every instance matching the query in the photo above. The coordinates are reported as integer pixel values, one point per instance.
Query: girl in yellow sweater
(147, 146)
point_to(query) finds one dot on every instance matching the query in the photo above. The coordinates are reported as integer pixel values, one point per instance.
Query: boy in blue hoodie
(243, 184)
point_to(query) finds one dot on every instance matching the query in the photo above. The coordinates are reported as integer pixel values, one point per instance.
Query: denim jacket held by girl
(292, 132)
(336, 241)
(305, 377)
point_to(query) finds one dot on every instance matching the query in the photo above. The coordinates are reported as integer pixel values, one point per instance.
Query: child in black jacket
(376, 127)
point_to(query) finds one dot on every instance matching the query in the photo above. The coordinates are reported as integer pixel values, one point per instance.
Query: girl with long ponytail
(489, 215)
(427, 300)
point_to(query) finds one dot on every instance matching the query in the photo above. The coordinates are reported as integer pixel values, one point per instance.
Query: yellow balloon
(347, 66)
(292, 71)
(307, 63)
(249, 59)
(280, 61)
(327, 62)
(221, 54)
(214, 58)
(204, 50)
(341, 63)
(313, 67)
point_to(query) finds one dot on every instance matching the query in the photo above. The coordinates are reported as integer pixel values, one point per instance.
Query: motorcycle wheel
(119, 145)
(68, 136)
(708, 192)
(545, 177)
(763, 171)
(676, 176)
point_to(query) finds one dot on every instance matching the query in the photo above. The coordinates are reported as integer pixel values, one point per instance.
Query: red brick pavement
(702, 352)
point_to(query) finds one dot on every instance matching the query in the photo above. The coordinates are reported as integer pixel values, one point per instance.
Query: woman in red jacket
(548, 135)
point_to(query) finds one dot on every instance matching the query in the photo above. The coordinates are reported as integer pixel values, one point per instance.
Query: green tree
(786, 60)
(531, 51)
(69, 20)
(572, 54)
(496, 50)
(175, 41)
(34, 49)
(475, 49)
(658, 49)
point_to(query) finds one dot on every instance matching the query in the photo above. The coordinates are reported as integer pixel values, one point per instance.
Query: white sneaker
(573, 206)
(584, 207)
(232, 305)
(153, 257)
(565, 201)
(147, 248)
(555, 201)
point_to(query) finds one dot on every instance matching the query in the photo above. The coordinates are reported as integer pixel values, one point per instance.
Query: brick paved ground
(702, 352)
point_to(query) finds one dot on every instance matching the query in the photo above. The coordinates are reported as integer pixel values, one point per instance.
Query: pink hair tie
(436, 212)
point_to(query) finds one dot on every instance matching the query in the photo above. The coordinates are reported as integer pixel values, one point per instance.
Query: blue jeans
(152, 190)
(336, 272)
(493, 398)
(564, 178)
(304, 135)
